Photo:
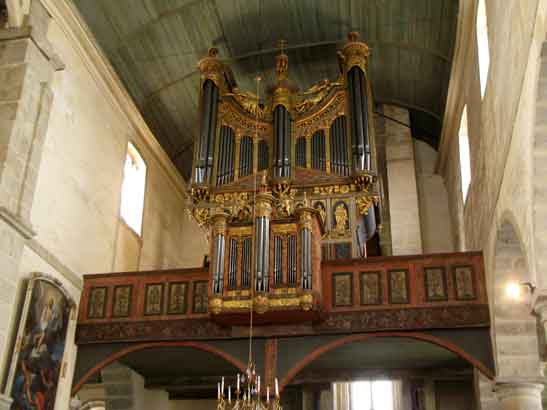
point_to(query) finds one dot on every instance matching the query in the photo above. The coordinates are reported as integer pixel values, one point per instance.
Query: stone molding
(71, 23)
(22, 227)
(518, 389)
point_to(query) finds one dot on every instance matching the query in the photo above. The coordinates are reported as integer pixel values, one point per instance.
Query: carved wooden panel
(435, 284)
(153, 299)
(464, 282)
(177, 298)
(342, 283)
(122, 301)
(398, 286)
(97, 302)
(371, 288)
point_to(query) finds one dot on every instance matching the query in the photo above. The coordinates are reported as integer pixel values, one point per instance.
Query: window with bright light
(134, 181)
(372, 395)
(465, 161)
(483, 47)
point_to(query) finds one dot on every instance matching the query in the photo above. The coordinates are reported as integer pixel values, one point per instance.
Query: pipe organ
(284, 181)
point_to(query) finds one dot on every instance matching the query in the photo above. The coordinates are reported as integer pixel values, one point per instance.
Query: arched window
(482, 44)
(465, 160)
(133, 188)
(377, 395)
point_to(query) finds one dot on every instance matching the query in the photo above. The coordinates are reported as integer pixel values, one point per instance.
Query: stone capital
(539, 304)
(519, 394)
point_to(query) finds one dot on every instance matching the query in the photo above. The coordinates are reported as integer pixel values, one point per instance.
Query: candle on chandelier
(218, 391)
(258, 385)
(229, 394)
(276, 388)
(222, 387)
(238, 383)
(267, 394)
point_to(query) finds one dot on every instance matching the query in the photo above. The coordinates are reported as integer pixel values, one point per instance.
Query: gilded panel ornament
(177, 297)
(364, 204)
(340, 221)
(200, 296)
(354, 53)
(313, 96)
(334, 189)
(121, 306)
(97, 303)
(342, 289)
(320, 206)
(230, 115)
(435, 284)
(153, 299)
(398, 286)
(199, 194)
(464, 282)
(284, 198)
(202, 215)
(211, 68)
(263, 205)
(283, 229)
(371, 288)
(322, 118)
(305, 220)
(240, 231)
(365, 182)
(250, 103)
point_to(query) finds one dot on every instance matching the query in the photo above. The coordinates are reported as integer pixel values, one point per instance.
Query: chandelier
(248, 393)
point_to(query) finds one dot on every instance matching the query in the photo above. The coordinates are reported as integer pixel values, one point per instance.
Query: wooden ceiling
(154, 46)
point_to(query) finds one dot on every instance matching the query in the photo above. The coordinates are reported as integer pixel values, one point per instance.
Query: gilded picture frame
(40, 347)
(153, 299)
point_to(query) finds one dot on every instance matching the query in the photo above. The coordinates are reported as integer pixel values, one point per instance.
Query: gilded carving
(334, 189)
(283, 229)
(230, 115)
(318, 92)
(341, 219)
(322, 118)
(354, 53)
(202, 215)
(250, 103)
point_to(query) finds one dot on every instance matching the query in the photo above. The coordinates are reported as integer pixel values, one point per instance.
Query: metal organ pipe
(357, 91)
(282, 138)
(205, 152)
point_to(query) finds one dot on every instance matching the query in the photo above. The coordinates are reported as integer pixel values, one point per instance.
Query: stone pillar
(539, 304)
(27, 64)
(519, 396)
(406, 237)
(5, 402)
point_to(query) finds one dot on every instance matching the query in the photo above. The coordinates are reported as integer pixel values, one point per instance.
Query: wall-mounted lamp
(514, 290)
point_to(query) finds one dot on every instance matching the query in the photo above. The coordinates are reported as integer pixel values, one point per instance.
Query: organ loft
(285, 180)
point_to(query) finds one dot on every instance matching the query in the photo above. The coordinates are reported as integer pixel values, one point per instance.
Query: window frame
(132, 148)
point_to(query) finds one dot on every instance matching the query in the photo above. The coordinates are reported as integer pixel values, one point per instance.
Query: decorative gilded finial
(282, 61)
(353, 36)
(213, 52)
(264, 181)
(354, 53)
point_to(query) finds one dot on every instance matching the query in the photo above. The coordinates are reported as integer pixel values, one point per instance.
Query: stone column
(27, 64)
(519, 396)
(539, 304)
(406, 237)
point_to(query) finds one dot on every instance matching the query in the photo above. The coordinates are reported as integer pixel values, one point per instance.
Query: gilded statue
(341, 218)
(317, 92)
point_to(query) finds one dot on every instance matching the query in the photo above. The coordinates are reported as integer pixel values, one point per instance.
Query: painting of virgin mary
(42, 339)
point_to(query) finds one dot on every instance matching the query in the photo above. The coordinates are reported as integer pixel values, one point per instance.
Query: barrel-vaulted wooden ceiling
(154, 46)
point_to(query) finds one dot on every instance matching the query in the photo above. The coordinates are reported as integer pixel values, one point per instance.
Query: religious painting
(435, 284)
(96, 306)
(398, 286)
(201, 297)
(176, 302)
(37, 363)
(153, 299)
(464, 283)
(122, 301)
(340, 219)
(342, 289)
(320, 206)
(371, 288)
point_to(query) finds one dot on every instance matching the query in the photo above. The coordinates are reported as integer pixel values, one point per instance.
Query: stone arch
(514, 325)
(426, 338)
(539, 153)
(112, 358)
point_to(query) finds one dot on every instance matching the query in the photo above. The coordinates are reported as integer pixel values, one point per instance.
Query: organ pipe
(208, 126)
(282, 137)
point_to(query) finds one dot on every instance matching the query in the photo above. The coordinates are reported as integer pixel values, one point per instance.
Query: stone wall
(501, 137)
(65, 122)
